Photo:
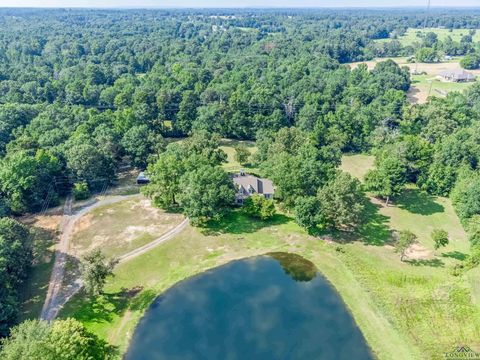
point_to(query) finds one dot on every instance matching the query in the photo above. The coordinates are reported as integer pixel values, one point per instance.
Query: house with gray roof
(459, 75)
(247, 185)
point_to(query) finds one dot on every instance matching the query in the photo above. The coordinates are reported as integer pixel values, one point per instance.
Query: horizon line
(237, 7)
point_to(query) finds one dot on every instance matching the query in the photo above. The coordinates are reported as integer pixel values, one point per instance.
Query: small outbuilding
(459, 75)
(142, 179)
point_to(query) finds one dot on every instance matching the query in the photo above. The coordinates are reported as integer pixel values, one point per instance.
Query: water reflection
(297, 267)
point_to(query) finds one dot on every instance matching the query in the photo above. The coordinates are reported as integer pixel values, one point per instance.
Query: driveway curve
(58, 293)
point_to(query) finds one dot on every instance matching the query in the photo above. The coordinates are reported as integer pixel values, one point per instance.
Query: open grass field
(121, 227)
(228, 146)
(232, 165)
(406, 310)
(357, 165)
(34, 291)
(411, 36)
(426, 85)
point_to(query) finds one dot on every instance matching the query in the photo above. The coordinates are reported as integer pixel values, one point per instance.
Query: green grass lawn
(406, 310)
(232, 165)
(34, 290)
(432, 86)
(411, 37)
(357, 165)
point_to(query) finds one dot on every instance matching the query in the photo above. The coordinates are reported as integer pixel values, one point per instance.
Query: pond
(268, 307)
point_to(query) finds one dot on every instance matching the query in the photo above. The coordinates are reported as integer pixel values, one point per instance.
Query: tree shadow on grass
(418, 202)
(237, 223)
(143, 300)
(426, 262)
(105, 306)
(455, 255)
(374, 229)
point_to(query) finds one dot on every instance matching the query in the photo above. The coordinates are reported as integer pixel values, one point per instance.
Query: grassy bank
(406, 310)
(410, 37)
(114, 315)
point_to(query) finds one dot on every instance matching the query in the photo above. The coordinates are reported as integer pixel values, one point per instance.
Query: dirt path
(147, 247)
(58, 270)
(59, 293)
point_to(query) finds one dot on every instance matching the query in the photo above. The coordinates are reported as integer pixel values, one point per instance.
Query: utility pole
(426, 15)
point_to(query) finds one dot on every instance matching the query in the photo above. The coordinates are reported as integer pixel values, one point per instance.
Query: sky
(235, 3)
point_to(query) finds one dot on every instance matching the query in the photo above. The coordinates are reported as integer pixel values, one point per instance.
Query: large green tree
(205, 193)
(60, 340)
(95, 270)
(140, 143)
(15, 261)
(388, 178)
(25, 180)
(87, 162)
(341, 202)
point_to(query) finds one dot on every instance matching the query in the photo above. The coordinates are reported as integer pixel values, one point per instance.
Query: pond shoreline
(242, 279)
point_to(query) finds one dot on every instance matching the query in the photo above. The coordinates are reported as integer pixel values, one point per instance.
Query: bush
(470, 62)
(61, 339)
(473, 230)
(473, 260)
(427, 55)
(440, 237)
(259, 207)
(81, 191)
(242, 154)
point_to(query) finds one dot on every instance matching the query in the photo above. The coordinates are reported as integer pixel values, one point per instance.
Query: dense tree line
(87, 89)
(430, 49)
(437, 147)
(82, 91)
(15, 261)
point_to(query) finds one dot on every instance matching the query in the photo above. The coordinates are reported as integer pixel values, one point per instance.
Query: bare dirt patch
(121, 227)
(418, 252)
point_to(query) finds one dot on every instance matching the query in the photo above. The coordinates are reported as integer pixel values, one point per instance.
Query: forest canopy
(84, 91)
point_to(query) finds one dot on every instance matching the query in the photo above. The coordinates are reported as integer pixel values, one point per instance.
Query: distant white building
(459, 75)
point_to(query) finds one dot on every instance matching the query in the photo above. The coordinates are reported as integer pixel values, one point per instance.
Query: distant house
(142, 179)
(247, 185)
(459, 75)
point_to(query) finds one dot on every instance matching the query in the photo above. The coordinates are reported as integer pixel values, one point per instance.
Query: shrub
(259, 207)
(405, 239)
(81, 191)
(473, 230)
(440, 237)
(470, 62)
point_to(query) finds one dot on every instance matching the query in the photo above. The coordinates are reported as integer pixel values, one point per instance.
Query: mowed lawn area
(411, 36)
(424, 86)
(427, 84)
(406, 310)
(233, 165)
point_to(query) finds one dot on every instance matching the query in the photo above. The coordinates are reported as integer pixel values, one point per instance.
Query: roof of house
(458, 74)
(259, 186)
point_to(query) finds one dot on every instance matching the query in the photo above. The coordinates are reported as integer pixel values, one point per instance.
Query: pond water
(267, 307)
